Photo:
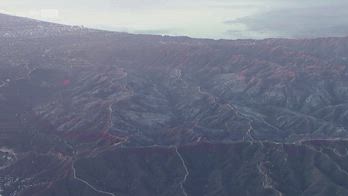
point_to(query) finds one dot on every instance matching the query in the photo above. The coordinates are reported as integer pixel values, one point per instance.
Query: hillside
(89, 112)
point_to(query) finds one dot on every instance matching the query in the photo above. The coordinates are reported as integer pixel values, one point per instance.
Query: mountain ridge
(123, 114)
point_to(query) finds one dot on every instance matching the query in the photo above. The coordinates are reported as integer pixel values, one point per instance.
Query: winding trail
(338, 153)
(108, 127)
(320, 151)
(186, 170)
(204, 93)
(267, 182)
(109, 122)
(88, 184)
(249, 132)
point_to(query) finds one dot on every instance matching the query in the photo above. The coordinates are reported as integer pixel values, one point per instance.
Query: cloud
(297, 21)
(229, 19)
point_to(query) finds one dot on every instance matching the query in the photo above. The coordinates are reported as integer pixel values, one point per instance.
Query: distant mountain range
(86, 112)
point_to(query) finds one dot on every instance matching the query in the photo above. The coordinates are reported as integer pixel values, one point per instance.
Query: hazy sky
(229, 19)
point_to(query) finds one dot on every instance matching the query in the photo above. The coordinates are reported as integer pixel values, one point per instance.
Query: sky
(217, 19)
